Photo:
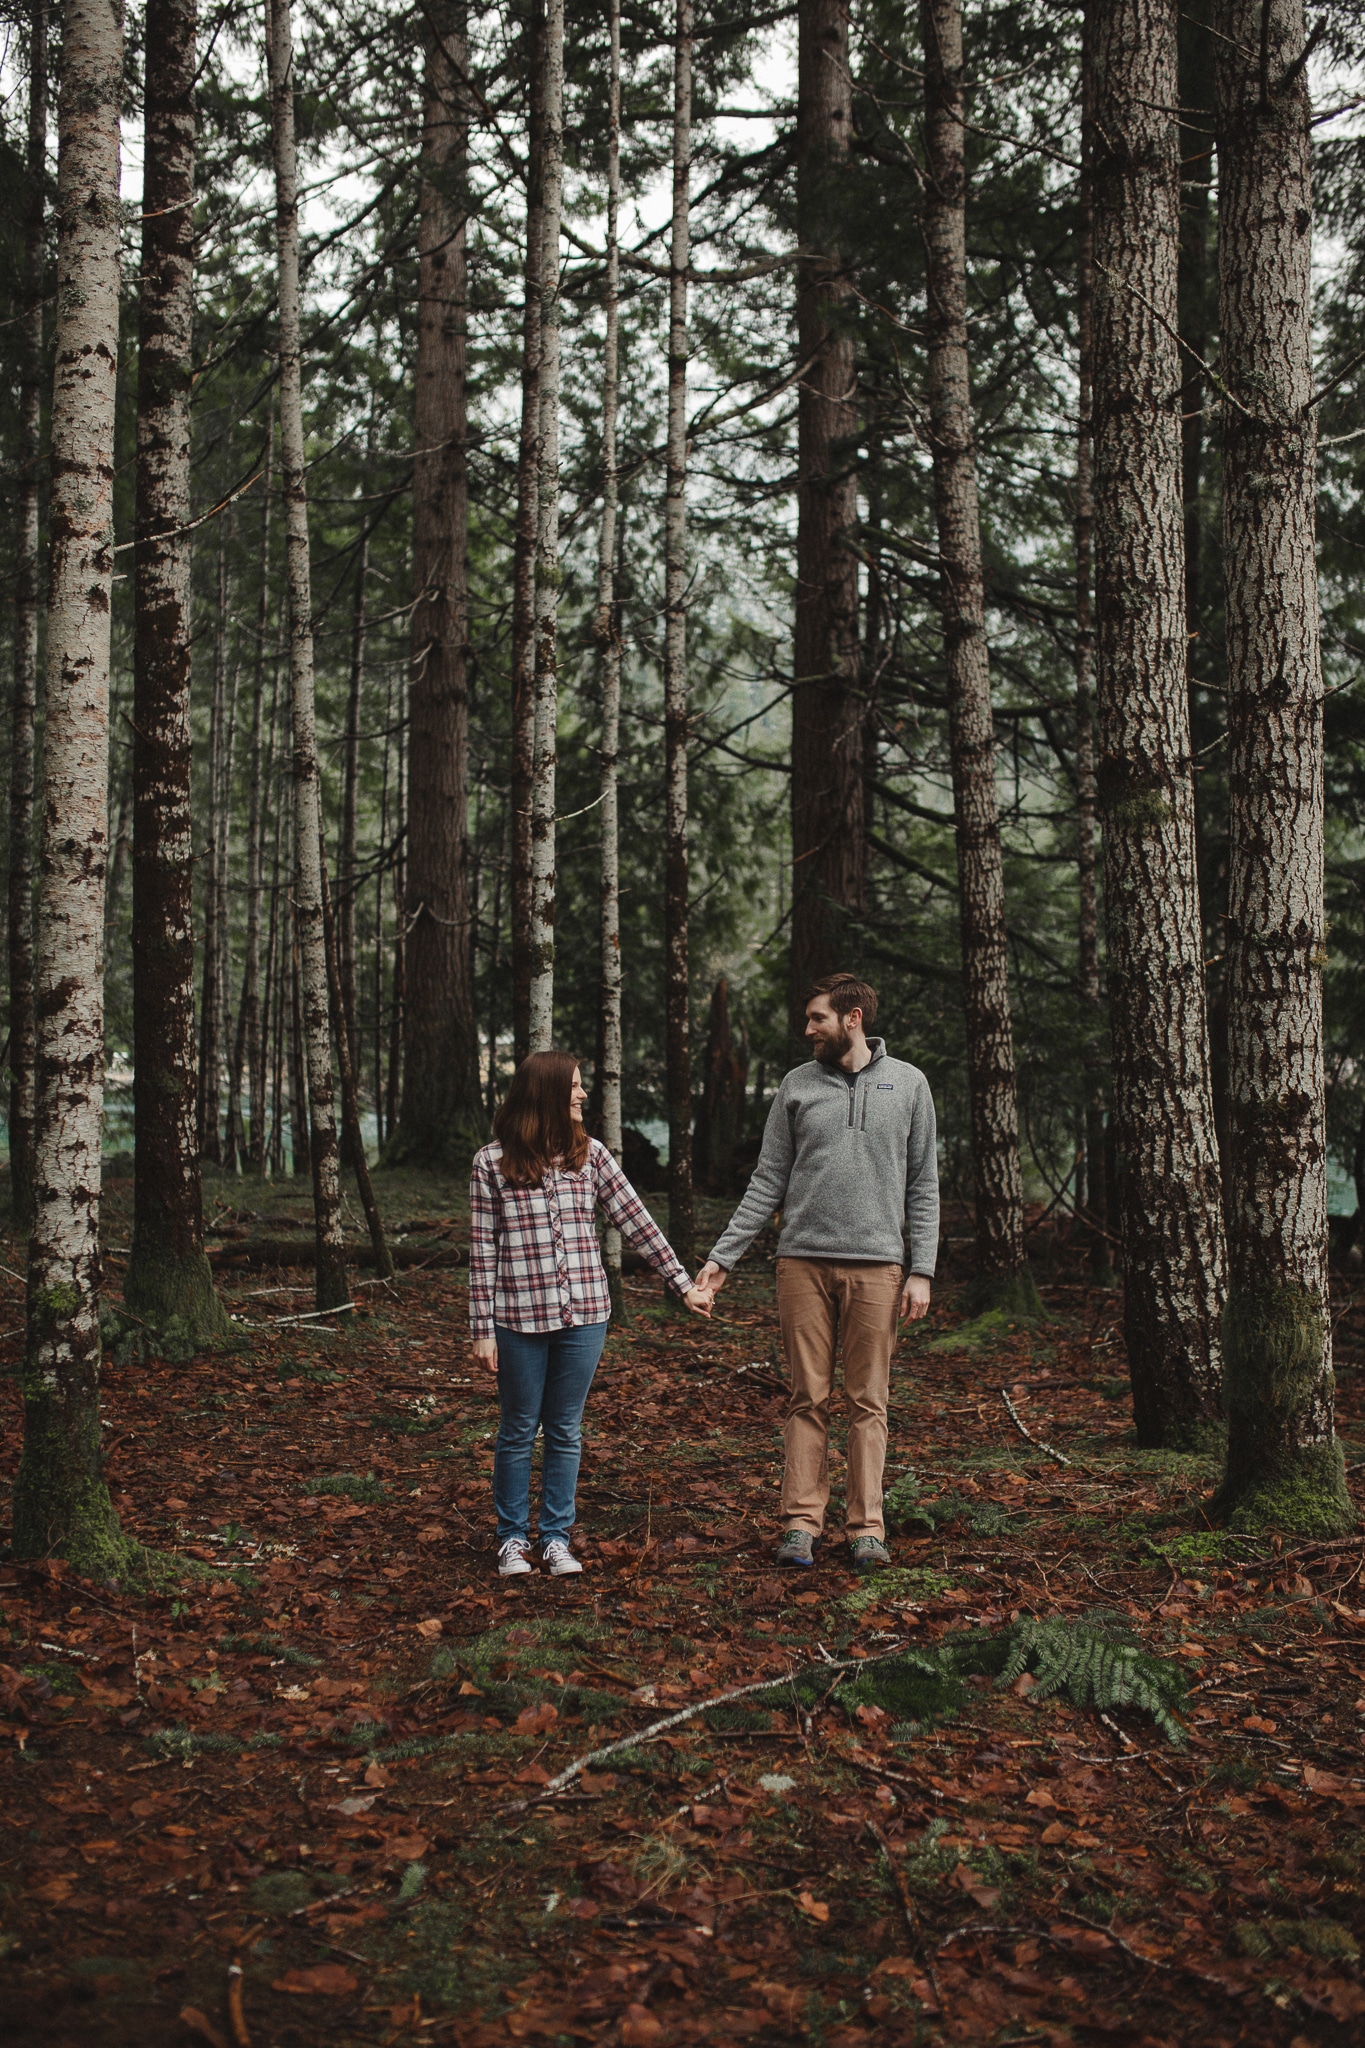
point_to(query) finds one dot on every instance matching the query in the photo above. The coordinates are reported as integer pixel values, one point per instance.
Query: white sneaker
(560, 1559)
(512, 1558)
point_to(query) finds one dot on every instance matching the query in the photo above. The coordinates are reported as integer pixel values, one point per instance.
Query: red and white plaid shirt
(534, 1263)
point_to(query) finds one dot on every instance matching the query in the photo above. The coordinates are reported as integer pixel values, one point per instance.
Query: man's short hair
(844, 992)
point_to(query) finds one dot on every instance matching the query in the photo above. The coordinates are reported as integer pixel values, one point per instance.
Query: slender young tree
(314, 1014)
(1088, 987)
(828, 844)
(608, 636)
(542, 915)
(1166, 1150)
(678, 1033)
(249, 1050)
(347, 876)
(210, 999)
(442, 1110)
(27, 599)
(350, 1100)
(169, 1278)
(1284, 1464)
(524, 541)
(1002, 1274)
(61, 1504)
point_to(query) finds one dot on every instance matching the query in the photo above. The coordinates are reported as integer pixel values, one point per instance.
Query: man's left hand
(914, 1297)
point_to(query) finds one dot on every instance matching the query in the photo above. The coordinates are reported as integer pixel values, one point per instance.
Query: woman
(538, 1299)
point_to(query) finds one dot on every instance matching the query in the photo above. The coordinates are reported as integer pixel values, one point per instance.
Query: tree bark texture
(441, 1119)
(524, 542)
(542, 915)
(210, 1006)
(1284, 1465)
(348, 885)
(720, 1125)
(250, 1050)
(168, 1278)
(61, 1505)
(1166, 1155)
(27, 598)
(1088, 983)
(313, 1003)
(827, 701)
(607, 633)
(981, 883)
(678, 1032)
(350, 1100)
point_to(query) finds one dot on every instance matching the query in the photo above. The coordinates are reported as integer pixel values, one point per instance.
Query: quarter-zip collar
(857, 1094)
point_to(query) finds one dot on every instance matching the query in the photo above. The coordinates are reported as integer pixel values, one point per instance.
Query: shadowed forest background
(560, 524)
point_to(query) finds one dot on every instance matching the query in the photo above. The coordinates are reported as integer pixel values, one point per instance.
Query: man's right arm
(767, 1191)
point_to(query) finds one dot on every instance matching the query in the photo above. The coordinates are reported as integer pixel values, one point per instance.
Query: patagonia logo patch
(888, 1085)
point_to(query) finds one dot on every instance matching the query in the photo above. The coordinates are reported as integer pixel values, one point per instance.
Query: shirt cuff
(679, 1282)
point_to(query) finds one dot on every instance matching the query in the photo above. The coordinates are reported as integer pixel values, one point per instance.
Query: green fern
(1091, 1664)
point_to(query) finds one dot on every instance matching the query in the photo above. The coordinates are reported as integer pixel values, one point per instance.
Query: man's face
(827, 1033)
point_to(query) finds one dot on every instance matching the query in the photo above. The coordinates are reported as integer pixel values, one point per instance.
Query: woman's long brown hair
(533, 1124)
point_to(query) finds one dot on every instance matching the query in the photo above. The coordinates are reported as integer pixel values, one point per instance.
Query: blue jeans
(543, 1383)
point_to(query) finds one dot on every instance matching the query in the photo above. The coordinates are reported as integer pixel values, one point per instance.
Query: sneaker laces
(557, 1547)
(518, 1544)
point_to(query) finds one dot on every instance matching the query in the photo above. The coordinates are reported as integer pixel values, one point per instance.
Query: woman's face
(578, 1095)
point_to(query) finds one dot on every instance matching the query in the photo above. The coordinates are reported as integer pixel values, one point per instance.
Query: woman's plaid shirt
(534, 1264)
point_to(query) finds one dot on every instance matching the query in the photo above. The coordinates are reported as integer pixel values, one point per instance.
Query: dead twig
(1027, 1434)
(236, 2017)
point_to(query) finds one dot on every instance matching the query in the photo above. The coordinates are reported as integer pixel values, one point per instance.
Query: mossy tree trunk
(27, 601)
(1166, 1154)
(313, 1012)
(168, 1279)
(61, 1504)
(1003, 1277)
(1284, 1466)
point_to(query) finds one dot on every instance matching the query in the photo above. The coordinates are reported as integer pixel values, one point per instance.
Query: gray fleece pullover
(844, 1164)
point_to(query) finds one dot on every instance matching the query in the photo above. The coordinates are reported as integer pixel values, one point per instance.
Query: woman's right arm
(483, 1260)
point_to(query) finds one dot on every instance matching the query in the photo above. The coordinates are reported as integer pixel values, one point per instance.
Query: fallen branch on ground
(1037, 1442)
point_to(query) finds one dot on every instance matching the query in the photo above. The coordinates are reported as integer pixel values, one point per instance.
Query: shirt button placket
(561, 1257)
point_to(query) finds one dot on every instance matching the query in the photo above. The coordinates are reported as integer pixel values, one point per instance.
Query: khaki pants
(823, 1306)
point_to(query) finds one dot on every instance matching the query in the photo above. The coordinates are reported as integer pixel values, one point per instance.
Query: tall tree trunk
(210, 1007)
(347, 882)
(608, 636)
(249, 1051)
(379, 881)
(678, 1032)
(400, 867)
(441, 1120)
(350, 1101)
(1284, 1464)
(332, 1290)
(827, 703)
(542, 927)
(27, 598)
(168, 1278)
(1088, 985)
(1166, 1156)
(524, 546)
(232, 1120)
(61, 1506)
(1002, 1275)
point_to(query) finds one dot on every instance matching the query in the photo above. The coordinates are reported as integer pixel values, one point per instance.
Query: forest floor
(322, 1756)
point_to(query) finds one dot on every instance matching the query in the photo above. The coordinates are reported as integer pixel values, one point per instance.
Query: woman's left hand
(698, 1300)
(486, 1352)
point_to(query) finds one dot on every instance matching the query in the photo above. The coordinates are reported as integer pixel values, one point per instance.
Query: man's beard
(829, 1051)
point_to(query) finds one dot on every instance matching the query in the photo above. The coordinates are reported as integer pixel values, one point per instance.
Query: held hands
(698, 1299)
(914, 1297)
(486, 1353)
(712, 1278)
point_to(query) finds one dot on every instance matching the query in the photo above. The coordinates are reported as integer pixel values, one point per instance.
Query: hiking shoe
(796, 1548)
(868, 1553)
(560, 1558)
(512, 1558)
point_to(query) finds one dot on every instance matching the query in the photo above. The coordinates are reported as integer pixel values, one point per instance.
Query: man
(849, 1150)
